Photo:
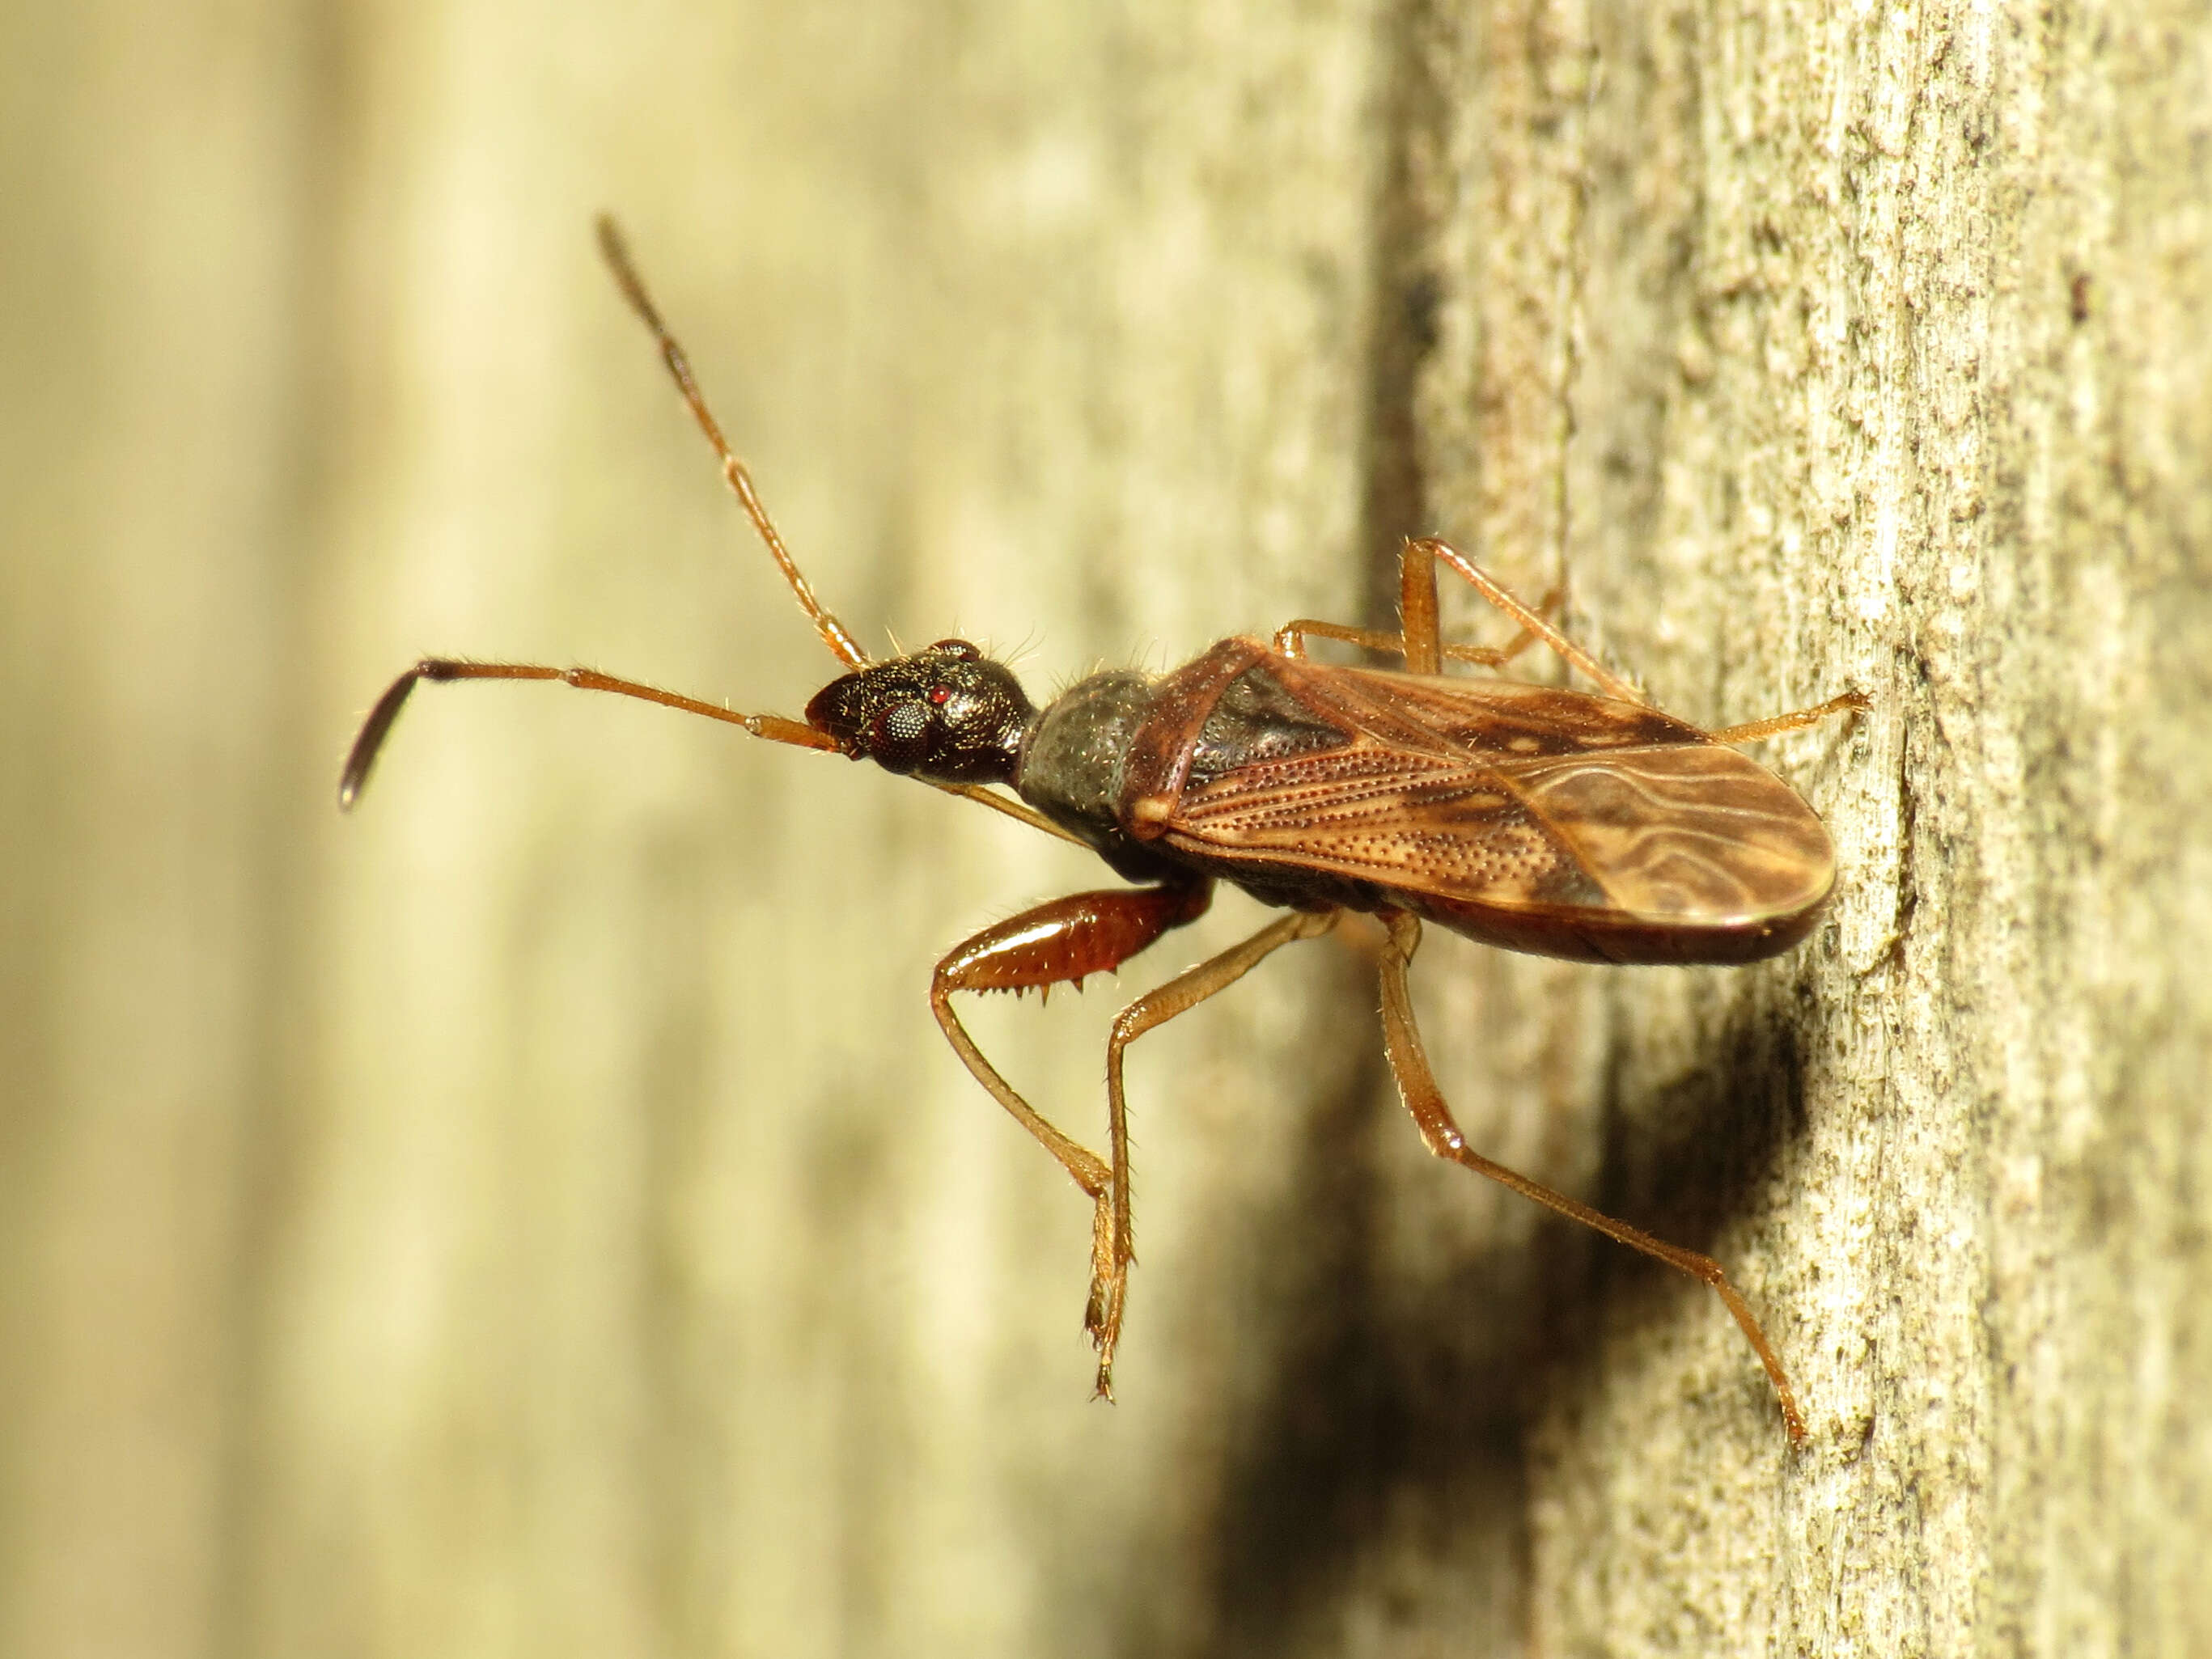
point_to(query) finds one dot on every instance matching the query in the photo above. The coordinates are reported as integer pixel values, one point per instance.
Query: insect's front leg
(1067, 939)
(1417, 1084)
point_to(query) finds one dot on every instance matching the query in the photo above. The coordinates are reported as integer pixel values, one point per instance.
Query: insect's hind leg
(1420, 641)
(1795, 720)
(1109, 1285)
(1291, 639)
(1416, 1084)
(1417, 596)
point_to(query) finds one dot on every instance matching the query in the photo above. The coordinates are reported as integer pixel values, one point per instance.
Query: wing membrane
(1514, 797)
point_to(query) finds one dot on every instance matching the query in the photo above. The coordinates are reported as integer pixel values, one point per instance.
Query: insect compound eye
(899, 737)
(959, 648)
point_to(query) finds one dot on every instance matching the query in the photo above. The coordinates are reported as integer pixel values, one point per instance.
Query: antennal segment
(360, 759)
(378, 726)
(617, 253)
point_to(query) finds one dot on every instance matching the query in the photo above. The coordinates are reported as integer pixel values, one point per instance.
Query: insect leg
(1417, 578)
(1797, 721)
(1065, 939)
(1110, 1287)
(1291, 639)
(1416, 1084)
(1418, 641)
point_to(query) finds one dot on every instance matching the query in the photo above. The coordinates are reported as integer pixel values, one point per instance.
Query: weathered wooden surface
(538, 1214)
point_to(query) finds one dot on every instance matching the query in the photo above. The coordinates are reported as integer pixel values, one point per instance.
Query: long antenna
(370, 740)
(617, 253)
(368, 743)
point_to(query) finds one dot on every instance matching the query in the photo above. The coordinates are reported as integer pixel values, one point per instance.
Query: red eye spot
(940, 694)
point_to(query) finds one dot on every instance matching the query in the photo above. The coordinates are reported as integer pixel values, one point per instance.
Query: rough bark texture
(539, 1215)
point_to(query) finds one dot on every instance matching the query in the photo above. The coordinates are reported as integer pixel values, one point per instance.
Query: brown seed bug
(1566, 823)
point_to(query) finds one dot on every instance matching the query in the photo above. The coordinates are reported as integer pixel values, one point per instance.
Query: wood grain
(538, 1215)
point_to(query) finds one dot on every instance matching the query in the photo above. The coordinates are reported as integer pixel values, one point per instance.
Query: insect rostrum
(1567, 823)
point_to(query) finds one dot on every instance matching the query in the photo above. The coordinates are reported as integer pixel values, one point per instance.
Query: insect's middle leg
(1416, 1084)
(1114, 1250)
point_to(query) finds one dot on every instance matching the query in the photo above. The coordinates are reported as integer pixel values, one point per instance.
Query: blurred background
(537, 1215)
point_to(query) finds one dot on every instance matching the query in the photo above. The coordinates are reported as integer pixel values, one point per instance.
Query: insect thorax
(1072, 763)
